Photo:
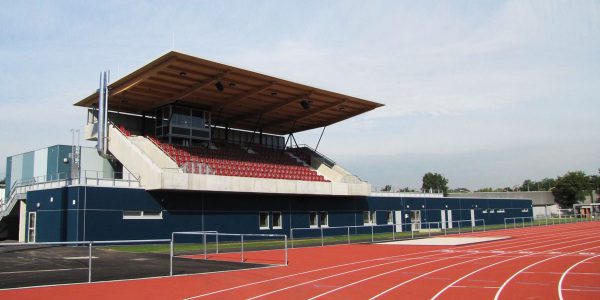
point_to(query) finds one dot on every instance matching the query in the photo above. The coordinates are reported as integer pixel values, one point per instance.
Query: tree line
(568, 189)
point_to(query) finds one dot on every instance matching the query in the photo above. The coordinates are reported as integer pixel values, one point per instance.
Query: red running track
(552, 262)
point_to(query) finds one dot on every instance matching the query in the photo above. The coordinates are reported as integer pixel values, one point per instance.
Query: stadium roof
(243, 99)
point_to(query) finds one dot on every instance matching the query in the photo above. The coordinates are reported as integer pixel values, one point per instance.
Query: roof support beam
(200, 85)
(135, 81)
(311, 114)
(245, 95)
(194, 88)
(271, 108)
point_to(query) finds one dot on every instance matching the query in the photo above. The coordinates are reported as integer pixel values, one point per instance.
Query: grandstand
(188, 144)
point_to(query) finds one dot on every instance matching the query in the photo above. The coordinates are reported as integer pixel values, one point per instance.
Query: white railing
(561, 219)
(375, 191)
(380, 233)
(19, 188)
(88, 244)
(237, 236)
(515, 220)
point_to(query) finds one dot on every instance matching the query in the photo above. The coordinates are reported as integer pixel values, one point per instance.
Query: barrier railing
(379, 233)
(561, 219)
(230, 243)
(56, 180)
(79, 248)
(515, 221)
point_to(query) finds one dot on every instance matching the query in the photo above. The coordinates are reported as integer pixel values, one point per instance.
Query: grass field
(229, 246)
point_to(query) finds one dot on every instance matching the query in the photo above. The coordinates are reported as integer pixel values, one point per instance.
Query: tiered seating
(231, 160)
(300, 153)
(124, 130)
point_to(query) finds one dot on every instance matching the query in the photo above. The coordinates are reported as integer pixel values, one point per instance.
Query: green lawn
(183, 248)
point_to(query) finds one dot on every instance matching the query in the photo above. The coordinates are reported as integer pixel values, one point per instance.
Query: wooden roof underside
(249, 100)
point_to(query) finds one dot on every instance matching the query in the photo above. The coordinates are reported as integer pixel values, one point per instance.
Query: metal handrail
(27, 183)
(436, 225)
(89, 244)
(204, 234)
(328, 161)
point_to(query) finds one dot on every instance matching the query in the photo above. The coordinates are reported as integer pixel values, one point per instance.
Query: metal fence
(561, 219)
(236, 243)
(326, 235)
(84, 250)
(89, 261)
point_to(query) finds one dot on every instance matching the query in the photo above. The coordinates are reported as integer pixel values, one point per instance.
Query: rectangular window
(277, 224)
(313, 219)
(263, 220)
(390, 217)
(142, 215)
(324, 217)
(367, 218)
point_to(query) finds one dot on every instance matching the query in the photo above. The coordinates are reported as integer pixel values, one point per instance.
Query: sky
(487, 93)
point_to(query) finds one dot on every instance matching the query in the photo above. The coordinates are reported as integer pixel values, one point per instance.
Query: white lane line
(475, 287)
(583, 290)
(500, 262)
(415, 278)
(562, 278)
(381, 274)
(41, 271)
(527, 267)
(470, 252)
(352, 271)
(560, 273)
(505, 243)
(307, 272)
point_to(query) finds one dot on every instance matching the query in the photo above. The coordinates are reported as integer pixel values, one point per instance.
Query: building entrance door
(415, 220)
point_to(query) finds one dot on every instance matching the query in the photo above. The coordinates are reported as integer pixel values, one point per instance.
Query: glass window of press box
(182, 125)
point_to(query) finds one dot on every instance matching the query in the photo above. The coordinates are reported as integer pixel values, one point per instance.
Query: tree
(386, 188)
(3, 181)
(547, 184)
(571, 188)
(460, 190)
(435, 181)
(594, 186)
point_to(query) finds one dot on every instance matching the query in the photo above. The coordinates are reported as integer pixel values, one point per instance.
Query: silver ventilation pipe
(105, 139)
(102, 145)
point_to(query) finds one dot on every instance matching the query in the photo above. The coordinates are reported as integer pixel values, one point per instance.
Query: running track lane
(581, 280)
(315, 280)
(360, 285)
(301, 260)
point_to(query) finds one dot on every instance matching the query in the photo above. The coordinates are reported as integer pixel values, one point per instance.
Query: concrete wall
(538, 198)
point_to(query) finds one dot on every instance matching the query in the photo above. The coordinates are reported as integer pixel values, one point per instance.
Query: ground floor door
(415, 220)
(449, 213)
(398, 220)
(472, 218)
(31, 227)
(443, 218)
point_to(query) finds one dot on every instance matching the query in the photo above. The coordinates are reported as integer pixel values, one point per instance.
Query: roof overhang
(247, 100)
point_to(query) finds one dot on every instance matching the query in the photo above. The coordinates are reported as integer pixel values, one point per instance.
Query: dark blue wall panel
(96, 213)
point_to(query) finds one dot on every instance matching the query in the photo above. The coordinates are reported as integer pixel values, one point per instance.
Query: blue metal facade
(96, 213)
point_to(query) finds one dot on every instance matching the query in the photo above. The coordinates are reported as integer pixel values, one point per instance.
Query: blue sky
(488, 93)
